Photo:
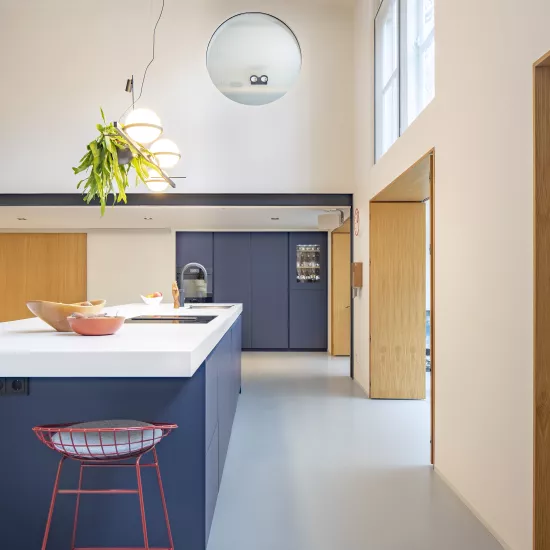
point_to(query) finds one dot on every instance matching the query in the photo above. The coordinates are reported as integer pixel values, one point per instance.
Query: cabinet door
(308, 261)
(196, 247)
(269, 290)
(232, 265)
(227, 397)
(308, 319)
(211, 482)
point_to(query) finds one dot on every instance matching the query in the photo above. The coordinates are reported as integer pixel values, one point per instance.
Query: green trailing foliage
(106, 176)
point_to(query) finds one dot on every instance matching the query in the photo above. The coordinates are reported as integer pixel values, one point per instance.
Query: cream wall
(481, 126)
(124, 264)
(65, 59)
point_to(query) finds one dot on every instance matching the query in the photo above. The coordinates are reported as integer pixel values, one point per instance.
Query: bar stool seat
(110, 443)
(90, 440)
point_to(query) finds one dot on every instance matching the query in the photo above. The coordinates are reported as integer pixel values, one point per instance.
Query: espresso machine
(193, 284)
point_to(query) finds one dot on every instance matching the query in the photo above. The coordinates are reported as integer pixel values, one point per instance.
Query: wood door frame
(428, 157)
(541, 303)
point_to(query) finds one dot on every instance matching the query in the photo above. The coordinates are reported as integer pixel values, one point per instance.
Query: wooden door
(398, 300)
(341, 298)
(36, 266)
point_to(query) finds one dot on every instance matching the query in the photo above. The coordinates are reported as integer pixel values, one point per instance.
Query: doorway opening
(402, 290)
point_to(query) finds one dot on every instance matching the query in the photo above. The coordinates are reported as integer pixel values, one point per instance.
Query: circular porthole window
(254, 58)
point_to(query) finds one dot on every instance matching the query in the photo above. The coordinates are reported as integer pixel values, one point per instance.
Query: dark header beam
(184, 199)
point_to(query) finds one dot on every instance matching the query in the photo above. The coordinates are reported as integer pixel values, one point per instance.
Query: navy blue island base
(191, 458)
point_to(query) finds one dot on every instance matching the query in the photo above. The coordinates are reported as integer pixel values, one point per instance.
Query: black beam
(185, 199)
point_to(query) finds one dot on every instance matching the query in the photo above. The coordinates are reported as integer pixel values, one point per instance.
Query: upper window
(404, 66)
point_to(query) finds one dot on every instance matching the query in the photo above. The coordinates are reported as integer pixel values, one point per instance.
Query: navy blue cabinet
(268, 273)
(196, 247)
(308, 299)
(269, 290)
(232, 265)
(222, 387)
(308, 320)
(308, 258)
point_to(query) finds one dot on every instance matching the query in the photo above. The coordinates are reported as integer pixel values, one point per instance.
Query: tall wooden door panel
(341, 294)
(36, 266)
(269, 290)
(398, 300)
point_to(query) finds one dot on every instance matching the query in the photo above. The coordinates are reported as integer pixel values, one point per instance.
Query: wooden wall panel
(542, 309)
(40, 266)
(398, 300)
(341, 294)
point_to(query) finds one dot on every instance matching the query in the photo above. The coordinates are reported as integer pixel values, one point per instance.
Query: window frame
(402, 75)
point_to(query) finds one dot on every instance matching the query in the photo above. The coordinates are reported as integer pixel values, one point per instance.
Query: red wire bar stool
(107, 444)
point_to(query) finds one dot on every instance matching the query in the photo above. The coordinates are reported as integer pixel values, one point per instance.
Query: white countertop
(31, 348)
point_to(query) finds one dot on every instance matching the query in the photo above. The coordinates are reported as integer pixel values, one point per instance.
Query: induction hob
(174, 319)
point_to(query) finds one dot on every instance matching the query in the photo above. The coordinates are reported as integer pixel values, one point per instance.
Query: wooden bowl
(55, 313)
(96, 326)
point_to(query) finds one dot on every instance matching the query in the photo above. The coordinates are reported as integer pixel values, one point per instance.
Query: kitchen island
(187, 374)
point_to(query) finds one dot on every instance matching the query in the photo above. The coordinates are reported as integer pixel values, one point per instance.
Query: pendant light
(155, 182)
(143, 126)
(166, 153)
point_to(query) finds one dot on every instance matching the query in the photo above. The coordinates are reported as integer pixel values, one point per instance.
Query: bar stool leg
(52, 504)
(170, 540)
(141, 504)
(73, 543)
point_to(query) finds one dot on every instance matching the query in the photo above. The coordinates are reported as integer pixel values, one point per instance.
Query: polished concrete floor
(313, 465)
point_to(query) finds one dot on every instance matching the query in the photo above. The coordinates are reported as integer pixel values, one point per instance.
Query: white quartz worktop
(31, 348)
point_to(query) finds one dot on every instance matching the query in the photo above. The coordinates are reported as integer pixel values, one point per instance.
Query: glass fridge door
(308, 263)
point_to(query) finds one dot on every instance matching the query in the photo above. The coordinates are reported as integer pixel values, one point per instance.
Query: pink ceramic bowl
(96, 326)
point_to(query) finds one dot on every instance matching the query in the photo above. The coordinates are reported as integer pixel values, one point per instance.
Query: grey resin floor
(313, 465)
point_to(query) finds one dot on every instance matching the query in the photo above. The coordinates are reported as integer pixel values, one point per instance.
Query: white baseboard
(473, 510)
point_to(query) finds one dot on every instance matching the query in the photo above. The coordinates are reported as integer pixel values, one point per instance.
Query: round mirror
(254, 58)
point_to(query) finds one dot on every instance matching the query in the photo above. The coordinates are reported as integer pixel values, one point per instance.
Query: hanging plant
(109, 159)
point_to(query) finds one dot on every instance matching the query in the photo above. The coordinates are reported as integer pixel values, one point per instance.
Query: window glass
(418, 53)
(387, 76)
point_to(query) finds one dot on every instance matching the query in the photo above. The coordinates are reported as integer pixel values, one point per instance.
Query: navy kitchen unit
(232, 264)
(279, 277)
(191, 458)
(308, 328)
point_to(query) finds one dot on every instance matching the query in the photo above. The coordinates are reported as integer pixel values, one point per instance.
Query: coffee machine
(193, 283)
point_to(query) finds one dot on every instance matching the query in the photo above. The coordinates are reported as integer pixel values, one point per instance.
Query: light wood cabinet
(40, 266)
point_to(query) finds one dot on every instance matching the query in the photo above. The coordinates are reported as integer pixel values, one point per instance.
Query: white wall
(124, 264)
(65, 59)
(481, 126)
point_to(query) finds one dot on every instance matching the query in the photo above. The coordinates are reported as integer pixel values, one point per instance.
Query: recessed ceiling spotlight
(253, 79)
(148, 219)
(22, 219)
(275, 219)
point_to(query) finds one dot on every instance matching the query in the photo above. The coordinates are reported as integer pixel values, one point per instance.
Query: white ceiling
(162, 217)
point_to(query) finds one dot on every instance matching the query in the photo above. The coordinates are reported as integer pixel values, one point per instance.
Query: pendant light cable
(146, 68)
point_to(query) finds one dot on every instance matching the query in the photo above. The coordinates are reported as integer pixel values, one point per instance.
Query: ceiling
(160, 217)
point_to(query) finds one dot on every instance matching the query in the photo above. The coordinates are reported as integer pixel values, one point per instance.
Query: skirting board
(473, 510)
